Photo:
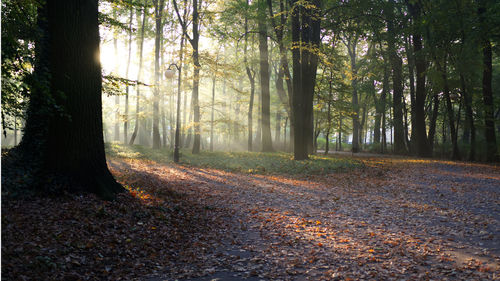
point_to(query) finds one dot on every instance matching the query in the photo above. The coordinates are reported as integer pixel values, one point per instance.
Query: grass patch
(245, 162)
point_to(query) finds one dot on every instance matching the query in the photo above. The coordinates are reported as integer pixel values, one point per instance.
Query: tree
(418, 103)
(63, 133)
(489, 119)
(397, 80)
(267, 144)
(194, 41)
(139, 74)
(305, 42)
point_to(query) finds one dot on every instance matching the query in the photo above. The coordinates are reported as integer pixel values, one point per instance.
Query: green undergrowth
(245, 162)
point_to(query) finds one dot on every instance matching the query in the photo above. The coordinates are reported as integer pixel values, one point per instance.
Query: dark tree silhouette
(63, 134)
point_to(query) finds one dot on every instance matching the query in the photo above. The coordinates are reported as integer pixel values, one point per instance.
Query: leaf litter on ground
(390, 218)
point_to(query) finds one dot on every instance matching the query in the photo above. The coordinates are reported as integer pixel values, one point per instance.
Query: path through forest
(396, 218)
(392, 218)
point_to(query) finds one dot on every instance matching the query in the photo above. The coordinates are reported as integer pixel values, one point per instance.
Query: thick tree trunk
(422, 145)
(305, 38)
(68, 143)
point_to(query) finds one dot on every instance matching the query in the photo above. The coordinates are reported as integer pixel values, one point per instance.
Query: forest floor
(390, 218)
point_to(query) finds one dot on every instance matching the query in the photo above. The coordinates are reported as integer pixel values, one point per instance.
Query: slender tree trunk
(449, 108)
(489, 118)
(397, 80)
(411, 143)
(432, 124)
(267, 144)
(351, 48)
(196, 78)
(469, 119)
(250, 112)
(277, 134)
(251, 78)
(340, 134)
(117, 97)
(139, 77)
(383, 101)
(212, 115)
(127, 90)
(156, 93)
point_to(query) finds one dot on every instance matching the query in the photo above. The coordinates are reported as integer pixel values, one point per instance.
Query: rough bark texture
(69, 136)
(305, 38)
(267, 143)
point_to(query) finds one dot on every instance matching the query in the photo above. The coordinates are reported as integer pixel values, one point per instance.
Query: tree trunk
(156, 92)
(432, 125)
(449, 108)
(305, 36)
(489, 119)
(397, 80)
(411, 74)
(469, 119)
(139, 77)
(212, 114)
(267, 144)
(117, 97)
(196, 77)
(68, 143)
(351, 48)
(383, 101)
(125, 121)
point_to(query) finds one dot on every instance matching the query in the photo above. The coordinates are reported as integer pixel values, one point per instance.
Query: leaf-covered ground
(389, 219)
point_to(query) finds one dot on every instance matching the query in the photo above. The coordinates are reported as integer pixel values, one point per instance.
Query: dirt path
(395, 219)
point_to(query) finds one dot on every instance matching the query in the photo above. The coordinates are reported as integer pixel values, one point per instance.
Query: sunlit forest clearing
(250, 140)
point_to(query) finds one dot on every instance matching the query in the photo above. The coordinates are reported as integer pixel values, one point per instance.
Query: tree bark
(196, 77)
(70, 142)
(305, 39)
(267, 144)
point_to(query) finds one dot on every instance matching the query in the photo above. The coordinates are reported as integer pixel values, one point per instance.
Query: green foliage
(244, 162)
(18, 36)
